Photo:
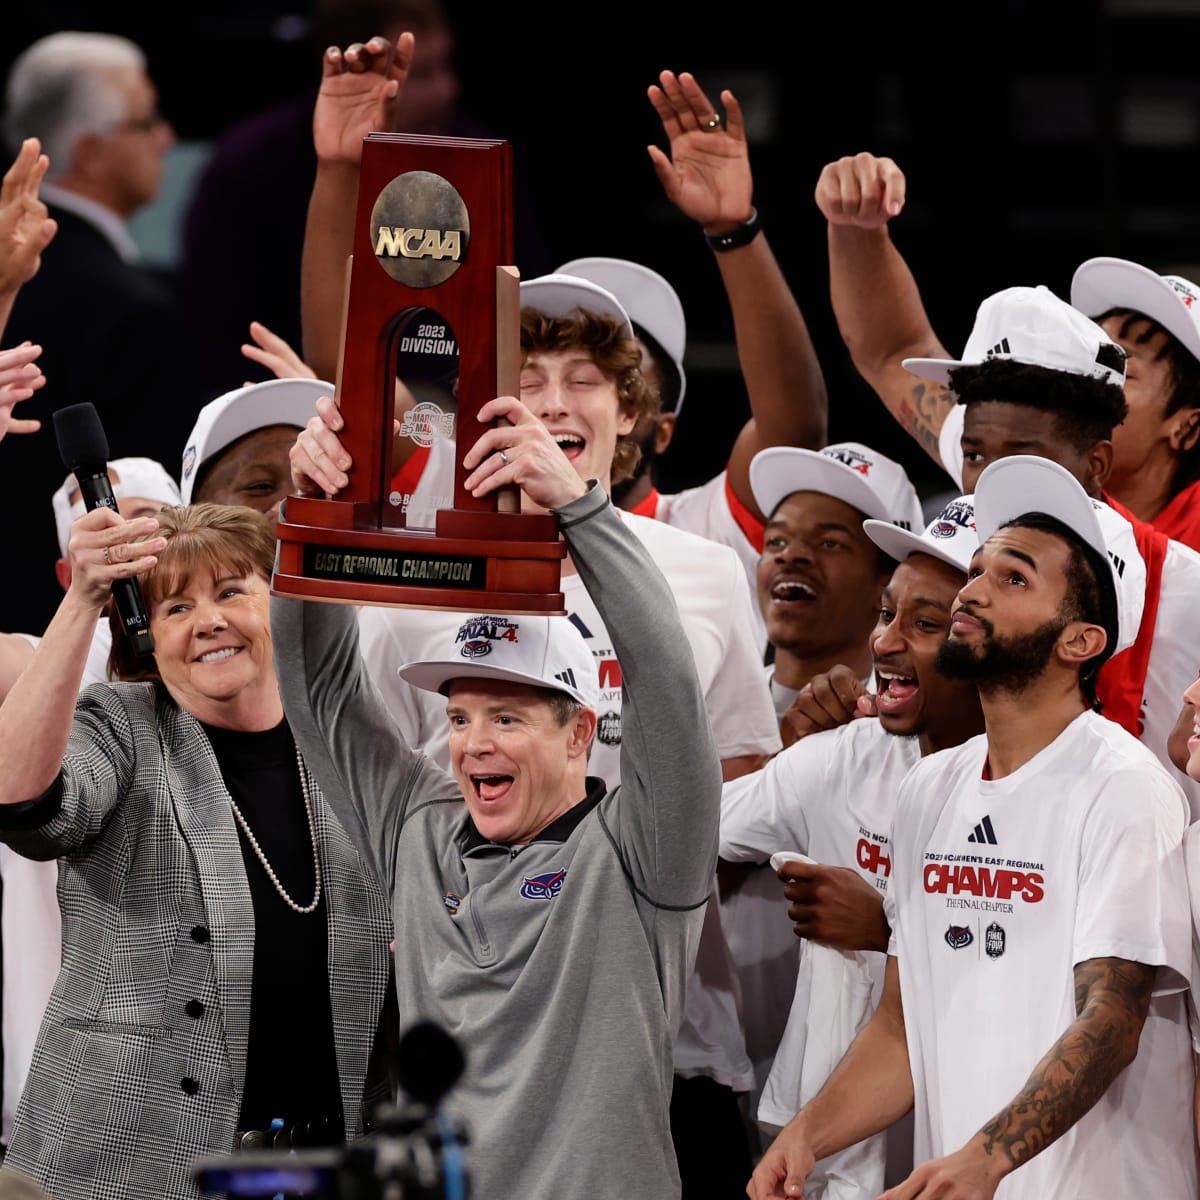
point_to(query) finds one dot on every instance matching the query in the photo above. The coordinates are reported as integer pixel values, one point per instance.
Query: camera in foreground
(414, 1152)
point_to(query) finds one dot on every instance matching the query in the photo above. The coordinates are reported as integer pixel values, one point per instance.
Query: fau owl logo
(958, 937)
(545, 886)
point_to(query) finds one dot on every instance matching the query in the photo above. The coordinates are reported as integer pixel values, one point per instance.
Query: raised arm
(1112, 998)
(359, 87)
(37, 714)
(870, 1089)
(670, 770)
(707, 176)
(875, 299)
(25, 226)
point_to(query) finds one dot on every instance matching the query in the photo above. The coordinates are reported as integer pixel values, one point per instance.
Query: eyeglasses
(147, 124)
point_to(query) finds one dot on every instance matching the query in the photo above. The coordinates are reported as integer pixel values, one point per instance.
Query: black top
(112, 334)
(291, 1063)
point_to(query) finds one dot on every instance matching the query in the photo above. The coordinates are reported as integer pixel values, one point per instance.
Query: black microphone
(83, 447)
(428, 1062)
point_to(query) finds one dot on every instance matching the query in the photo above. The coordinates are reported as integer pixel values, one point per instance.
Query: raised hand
(707, 176)
(25, 226)
(271, 351)
(520, 451)
(861, 190)
(359, 88)
(20, 377)
(105, 547)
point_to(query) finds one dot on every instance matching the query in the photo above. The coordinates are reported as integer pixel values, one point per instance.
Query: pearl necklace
(262, 858)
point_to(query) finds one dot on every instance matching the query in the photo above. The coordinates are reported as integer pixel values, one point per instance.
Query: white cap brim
(1101, 284)
(898, 543)
(777, 472)
(239, 412)
(936, 369)
(652, 303)
(1011, 487)
(559, 295)
(435, 675)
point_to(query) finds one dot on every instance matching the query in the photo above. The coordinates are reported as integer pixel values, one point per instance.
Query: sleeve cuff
(591, 502)
(32, 814)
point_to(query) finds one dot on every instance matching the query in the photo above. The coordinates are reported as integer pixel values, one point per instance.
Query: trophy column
(433, 303)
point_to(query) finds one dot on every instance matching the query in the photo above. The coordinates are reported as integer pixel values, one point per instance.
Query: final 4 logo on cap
(950, 537)
(1032, 325)
(547, 652)
(863, 478)
(1101, 284)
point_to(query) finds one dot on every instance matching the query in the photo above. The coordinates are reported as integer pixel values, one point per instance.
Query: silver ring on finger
(504, 458)
(713, 123)
(106, 557)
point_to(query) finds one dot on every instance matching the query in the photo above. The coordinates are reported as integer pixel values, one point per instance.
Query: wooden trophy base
(508, 563)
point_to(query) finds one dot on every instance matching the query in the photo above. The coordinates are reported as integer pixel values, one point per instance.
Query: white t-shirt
(998, 889)
(1174, 654)
(716, 609)
(830, 796)
(31, 931)
(704, 511)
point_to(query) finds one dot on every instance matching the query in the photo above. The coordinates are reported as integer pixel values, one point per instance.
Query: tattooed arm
(879, 311)
(1112, 998)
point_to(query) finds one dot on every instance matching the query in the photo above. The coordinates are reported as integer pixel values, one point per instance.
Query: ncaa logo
(958, 937)
(420, 229)
(452, 902)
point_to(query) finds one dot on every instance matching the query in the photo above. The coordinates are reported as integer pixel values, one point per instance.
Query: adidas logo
(984, 833)
(1001, 347)
(568, 677)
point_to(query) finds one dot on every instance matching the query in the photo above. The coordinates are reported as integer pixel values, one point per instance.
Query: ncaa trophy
(432, 309)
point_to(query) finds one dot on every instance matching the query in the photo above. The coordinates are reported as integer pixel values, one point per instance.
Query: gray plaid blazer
(126, 1089)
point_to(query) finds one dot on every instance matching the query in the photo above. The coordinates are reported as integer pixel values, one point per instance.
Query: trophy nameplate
(431, 300)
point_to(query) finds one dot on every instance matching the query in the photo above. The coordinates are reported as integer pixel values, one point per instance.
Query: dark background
(1033, 135)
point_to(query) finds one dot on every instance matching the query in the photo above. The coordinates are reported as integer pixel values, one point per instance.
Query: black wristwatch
(741, 235)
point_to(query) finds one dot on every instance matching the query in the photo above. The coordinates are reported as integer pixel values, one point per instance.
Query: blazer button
(194, 1008)
(189, 1085)
(200, 934)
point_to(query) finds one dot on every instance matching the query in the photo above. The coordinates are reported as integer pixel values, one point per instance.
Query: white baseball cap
(849, 471)
(1174, 302)
(142, 477)
(231, 416)
(545, 652)
(950, 536)
(558, 295)
(652, 303)
(1032, 325)
(1025, 483)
